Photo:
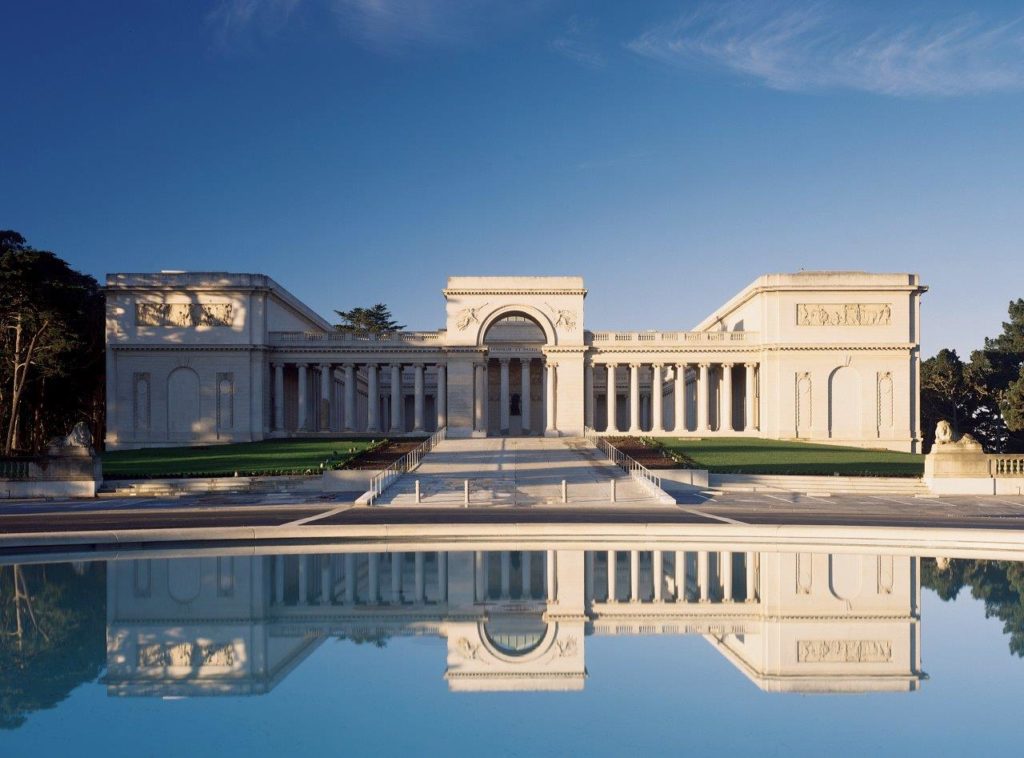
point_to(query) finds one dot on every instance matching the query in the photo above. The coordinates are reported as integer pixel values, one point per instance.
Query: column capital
(348, 366)
(727, 365)
(396, 364)
(504, 360)
(636, 365)
(551, 364)
(326, 366)
(657, 365)
(611, 364)
(703, 364)
(750, 365)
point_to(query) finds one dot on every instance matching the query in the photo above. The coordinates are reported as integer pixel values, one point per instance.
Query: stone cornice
(518, 292)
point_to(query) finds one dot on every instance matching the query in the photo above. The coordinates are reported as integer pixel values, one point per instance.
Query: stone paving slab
(515, 471)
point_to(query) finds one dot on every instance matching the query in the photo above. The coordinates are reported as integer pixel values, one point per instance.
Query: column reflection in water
(514, 619)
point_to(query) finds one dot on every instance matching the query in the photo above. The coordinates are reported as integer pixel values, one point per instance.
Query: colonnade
(638, 576)
(336, 395)
(713, 393)
(547, 399)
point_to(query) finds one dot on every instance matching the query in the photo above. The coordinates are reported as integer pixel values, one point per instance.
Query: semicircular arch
(527, 311)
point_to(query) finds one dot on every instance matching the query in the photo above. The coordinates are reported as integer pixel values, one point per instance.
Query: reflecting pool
(354, 649)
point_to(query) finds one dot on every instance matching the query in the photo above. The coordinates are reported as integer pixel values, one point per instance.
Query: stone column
(703, 393)
(610, 398)
(396, 578)
(703, 575)
(524, 393)
(657, 412)
(526, 573)
(680, 572)
(350, 578)
(397, 427)
(657, 571)
(634, 576)
(679, 399)
(725, 569)
(279, 579)
(725, 423)
(750, 590)
(442, 396)
(325, 396)
(612, 589)
(503, 401)
(278, 396)
(420, 587)
(634, 398)
(748, 398)
(480, 575)
(552, 385)
(372, 399)
(417, 413)
(303, 581)
(588, 396)
(588, 577)
(302, 425)
(506, 574)
(350, 397)
(326, 580)
(551, 575)
(479, 398)
(442, 577)
(373, 578)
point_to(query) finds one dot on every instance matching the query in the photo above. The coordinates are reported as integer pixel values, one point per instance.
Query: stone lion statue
(77, 441)
(943, 433)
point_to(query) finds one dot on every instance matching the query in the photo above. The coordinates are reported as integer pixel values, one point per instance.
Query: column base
(552, 433)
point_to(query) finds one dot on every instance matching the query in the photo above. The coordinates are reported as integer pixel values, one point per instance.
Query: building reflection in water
(514, 620)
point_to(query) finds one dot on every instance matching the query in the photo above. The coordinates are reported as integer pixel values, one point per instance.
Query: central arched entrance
(515, 375)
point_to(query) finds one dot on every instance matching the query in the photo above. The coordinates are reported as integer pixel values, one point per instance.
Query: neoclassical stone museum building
(205, 358)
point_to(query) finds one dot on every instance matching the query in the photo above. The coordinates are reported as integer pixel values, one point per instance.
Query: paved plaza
(516, 471)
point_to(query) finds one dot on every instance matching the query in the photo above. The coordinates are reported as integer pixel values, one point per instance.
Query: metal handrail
(631, 466)
(403, 465)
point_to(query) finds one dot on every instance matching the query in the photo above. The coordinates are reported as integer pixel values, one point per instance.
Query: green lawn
(247, 458)
(756, 456)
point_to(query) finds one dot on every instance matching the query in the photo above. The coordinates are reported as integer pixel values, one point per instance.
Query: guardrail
(1006, 465)
(403, 465)
(636, 470)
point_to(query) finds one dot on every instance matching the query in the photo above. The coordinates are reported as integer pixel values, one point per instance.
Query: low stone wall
(963, 468)
(75, 475)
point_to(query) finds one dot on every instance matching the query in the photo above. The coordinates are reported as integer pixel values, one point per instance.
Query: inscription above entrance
(843, 314)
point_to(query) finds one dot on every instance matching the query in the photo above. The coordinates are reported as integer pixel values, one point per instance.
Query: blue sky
(362, 150)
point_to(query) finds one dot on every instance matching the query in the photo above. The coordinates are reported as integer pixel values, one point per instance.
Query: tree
(368, 322)
(51, 346)
(945, 394)
(994, 374)
(52, 635)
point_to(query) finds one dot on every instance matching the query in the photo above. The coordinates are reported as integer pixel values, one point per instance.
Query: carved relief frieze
(183, 315)
(843, 314)
(162, 655)
(468, 316)
(843, 651)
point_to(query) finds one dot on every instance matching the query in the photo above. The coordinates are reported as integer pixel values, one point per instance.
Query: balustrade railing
(403, 465)
(1006, 465)
(358, 339)
(14, 469)
(674, 338)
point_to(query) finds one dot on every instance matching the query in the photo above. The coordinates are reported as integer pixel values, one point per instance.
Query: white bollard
(565, 492)
(417, 492)
(612, 483)
(465, 495)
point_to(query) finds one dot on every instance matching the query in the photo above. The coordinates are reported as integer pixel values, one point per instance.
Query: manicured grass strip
(270, 457)
(756, 456)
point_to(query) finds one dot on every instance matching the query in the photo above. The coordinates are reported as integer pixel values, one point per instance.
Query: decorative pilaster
(748, 398)
(552, 385)
(588, 396)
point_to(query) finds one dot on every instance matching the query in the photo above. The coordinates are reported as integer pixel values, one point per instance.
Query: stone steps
(890, 485)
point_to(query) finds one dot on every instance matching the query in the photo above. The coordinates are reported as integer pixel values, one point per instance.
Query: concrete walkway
(516, 471)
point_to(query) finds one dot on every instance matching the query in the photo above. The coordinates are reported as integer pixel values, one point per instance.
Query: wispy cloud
(387, 26)
(803, 46)
(577, 43)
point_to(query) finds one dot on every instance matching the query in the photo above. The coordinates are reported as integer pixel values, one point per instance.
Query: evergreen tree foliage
(368, 322)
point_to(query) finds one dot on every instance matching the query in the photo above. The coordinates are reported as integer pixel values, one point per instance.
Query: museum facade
(205, 358)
